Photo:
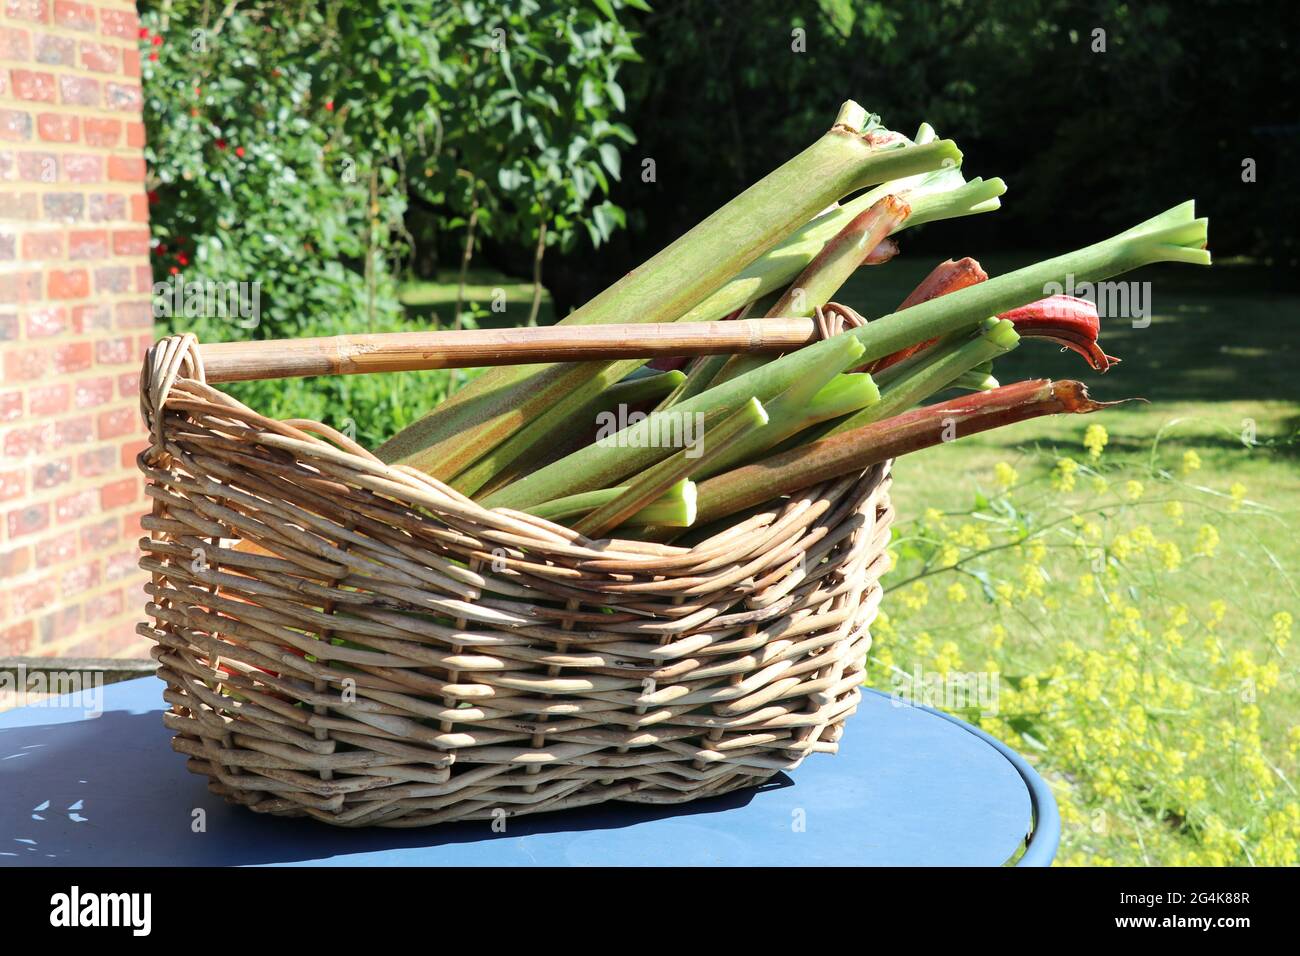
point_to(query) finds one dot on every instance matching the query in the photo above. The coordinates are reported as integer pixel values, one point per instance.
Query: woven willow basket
(361, 644)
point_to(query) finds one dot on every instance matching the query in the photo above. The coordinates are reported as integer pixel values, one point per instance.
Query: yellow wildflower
(1094, 439)
(1004, 475)
(1238, 493)
(1207, 540)
(1174, 510)
(956, 593)
(1063, 474)
(1191, 461)
(1132, 490)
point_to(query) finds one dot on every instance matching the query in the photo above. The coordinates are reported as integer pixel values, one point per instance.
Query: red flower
(157, 40)
(153, 57)
(239, 151)
(1067, 320)
(160, 249)
(182, 258)
(144, 32)
(174, 271)
(153, 196)
(221, 144)
(329, 105)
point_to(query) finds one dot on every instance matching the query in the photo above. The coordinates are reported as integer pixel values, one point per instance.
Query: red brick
(34, 597)
(43, 323)
(144, 279)
(84, 167)
(118, 493)
(91, 318)
(97, 461)
(49, 399)
(8, 327)
(76, 505)
(79, 579)
(127, 169)
(88, 244)
(66, 207)
(55, 51)
(33, 85)
(14, 561)
(131, 63)
(28, 520)
(114, 23)
(118, 422)
(8, 247)
(11, 406)
(73, 431)
(79, 90)
(135, 134)
(17, 641)
(114, 351)
(15, 44)
(15, 125)
(37, 11)
(21, 206)
(42, 245)
(74, 16)
(131, 527)
(124, 564)
(25, 442)
(12, 484)
(61, 623)
(57, 128)
(102, 132)
(113, 279)
(139, 209)
(106, 206)
(94, 392)
(128, 383)
(50, 474)
(101, 607)
(25, 364)
(123, 96)
(38, 167)
(20, 287)
(131, 242)
(73, 357)
(100, 57)
(135, 315)
(100, 536)
(69, 283)
(131, 449)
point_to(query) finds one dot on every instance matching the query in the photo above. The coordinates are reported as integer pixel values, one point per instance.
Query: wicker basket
(359, 643)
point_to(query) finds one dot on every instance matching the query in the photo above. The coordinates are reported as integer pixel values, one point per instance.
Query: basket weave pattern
(360, 643)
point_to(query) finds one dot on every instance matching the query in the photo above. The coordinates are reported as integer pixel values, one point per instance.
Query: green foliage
(287, 142)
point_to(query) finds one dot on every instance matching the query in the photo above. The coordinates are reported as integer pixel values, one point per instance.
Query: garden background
(379, 165)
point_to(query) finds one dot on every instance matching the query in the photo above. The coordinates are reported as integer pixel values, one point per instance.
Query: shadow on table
(111, 791)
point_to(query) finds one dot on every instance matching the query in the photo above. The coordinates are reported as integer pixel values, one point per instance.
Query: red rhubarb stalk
(946, 277)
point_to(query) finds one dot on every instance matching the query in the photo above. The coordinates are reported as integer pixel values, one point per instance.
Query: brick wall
(75, 319)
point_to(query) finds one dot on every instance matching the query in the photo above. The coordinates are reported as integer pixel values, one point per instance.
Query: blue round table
(910, 786)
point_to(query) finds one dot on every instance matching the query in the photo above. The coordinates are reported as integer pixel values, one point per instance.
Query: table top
(910, 786)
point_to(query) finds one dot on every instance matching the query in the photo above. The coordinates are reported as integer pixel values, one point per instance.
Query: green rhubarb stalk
(605, 463)
(828, 270)
(522, 451)
(997, 337)
(1173, 236)
(651, 484)
(675, 509)
(976, 380)
(800, 406)
(494, 405)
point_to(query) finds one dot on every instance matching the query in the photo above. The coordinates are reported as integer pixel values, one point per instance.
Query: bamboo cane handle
(406, 351)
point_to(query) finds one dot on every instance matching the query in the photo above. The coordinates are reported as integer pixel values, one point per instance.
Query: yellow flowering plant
(1141, 694)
